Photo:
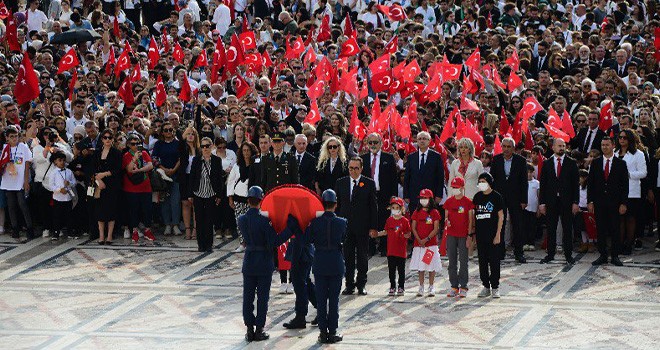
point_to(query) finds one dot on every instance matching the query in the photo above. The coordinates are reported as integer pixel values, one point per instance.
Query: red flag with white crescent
(27, 82)
(161, 94)
(178, 54)
(68, 61)
(313, 117)
(349, 48)
(153, 56)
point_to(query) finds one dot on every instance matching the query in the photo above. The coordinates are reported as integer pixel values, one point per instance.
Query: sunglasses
(333, 146)
(128, 125)
(374, 142)
(221, 147)
(168, 130)
(278, 141)
(134, 143)
(623, 137)
(107, 137)
(580, 121)
(353, 168)
(206, 145)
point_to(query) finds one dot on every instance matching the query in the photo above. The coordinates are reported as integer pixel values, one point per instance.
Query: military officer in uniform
(327, 234)
(258, 264)
(278, 167)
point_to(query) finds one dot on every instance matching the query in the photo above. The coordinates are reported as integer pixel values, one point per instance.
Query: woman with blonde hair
(466, 166)
(332, 164)
(188, 150)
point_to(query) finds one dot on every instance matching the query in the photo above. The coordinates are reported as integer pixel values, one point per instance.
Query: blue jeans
(170, 208)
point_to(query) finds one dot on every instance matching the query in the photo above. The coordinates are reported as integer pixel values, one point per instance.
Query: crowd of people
(155, 117)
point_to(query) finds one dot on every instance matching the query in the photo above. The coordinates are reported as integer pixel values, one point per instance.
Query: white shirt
(583, 197)
(533, 195)
(222, 19)
(19, 155)
(429, 15)
(605, 159)
(591, 136)
(56, 182)
(353, 183)
(36, 20)
(72, 122)
(376, 170)
(636, 172)
(228, 161)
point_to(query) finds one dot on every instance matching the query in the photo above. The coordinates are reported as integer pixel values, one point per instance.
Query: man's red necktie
(607, 169)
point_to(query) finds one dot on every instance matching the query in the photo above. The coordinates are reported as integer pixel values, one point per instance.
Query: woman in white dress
(467, 167)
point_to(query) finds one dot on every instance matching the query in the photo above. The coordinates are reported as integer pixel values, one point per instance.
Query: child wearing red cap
(397, 229)
(425, 228)
(458, 223)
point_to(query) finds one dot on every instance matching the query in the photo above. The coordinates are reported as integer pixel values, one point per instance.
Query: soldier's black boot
(334, 338)
(297, 322)
(323, 337)
(249, 336)
(260, 335)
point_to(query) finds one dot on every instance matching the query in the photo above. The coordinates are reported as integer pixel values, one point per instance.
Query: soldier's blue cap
(256, 192)
(329, 196)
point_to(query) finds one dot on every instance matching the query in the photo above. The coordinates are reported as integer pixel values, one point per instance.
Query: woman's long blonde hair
(324, 155)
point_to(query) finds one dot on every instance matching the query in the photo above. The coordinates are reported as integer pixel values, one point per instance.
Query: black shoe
(521, 259)
(296, 323)
(657, 246)
(348, 291)
(315, 322)
(627, 250)
(260, 335)
(600, 261)
(570, 260)
(361, 291)
(249, 336)
(55, 238)
(546, 260)
(101, 242)
(323, 338)
(334, 338)
(638, 245)
(616, 261)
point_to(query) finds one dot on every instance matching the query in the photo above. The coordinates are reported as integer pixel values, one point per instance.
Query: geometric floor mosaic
(74, 294)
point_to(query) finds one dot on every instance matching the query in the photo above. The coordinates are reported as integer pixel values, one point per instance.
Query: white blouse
(636, 172)
(474, 169)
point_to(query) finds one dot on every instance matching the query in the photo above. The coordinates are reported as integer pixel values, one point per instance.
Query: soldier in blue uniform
(327, 234)
(301, 254)
(258, 265)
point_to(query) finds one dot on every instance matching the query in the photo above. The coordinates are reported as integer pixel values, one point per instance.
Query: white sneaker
(46, 233)
(168, 230)
(240, 249)
(2, 230)
(420, 292)
(484, 293)
(496, 293)
(431, 292)
(559, 249)
(127, 233)
(283, 288)
(289, 288)
(177, 231)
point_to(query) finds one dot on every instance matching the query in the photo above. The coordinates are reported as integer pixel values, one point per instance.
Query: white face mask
(396, 212)
(483, 186)
(455, 191)
(424, 202)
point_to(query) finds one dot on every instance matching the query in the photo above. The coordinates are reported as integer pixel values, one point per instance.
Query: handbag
(157, 182)
(136, 178)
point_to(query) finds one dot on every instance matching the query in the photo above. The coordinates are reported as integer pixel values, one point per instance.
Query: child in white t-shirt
(531, 212)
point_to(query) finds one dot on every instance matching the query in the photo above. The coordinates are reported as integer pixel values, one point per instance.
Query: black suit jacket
(306, 169)
(387, 175)
(274, 174)
(432, 176)
(534, 66)
(612, 191)
(362, 211)
(327, 179)
(216, 175)
(567, 185)
(513, 188)
(578, 141)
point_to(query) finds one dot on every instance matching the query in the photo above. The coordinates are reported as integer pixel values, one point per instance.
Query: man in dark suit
(381, 167)
(306, 162)
(356, 198)
(424, 170)
(256, 169)
(620, 63)
(278, 168)
(589, 137)
(509, 172)
(541, 62)
(559, 198)
(607, 195)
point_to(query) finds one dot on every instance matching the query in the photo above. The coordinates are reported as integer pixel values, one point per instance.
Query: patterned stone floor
(74, 294)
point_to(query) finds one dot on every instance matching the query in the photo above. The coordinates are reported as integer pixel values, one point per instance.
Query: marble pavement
(74, 294)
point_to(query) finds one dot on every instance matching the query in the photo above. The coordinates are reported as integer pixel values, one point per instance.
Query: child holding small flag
(425, 228)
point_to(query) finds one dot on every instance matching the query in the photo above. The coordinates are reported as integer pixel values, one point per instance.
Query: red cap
(457, 182)
(397, 200)
(426, 193)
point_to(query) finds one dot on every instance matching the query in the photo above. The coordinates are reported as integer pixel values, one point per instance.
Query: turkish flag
(497, 79)
(316, 90)
(397, 71)
(514, 82)
(380, 65)
(553, 119)
(656, 41)
(474, 61)
(396, 86)
(309, 58)
(450, 71)
(513, 61)
(123, 62)
(68, 61)
(324, 31)
(411, 71)
(324, 70)
(161, 95)
(403, 127)
(254, 62)
(220, 54)
(348, 27)
(186, 92)
(504, 123)
(136, 75)
(606, 117)
(125, 92)
(375, 115)
(12, 34)
(153, 56)
(240, 86)
(348, 82)
(468, 105)
(111, 61)
(294, 52)
(202, 60)
(364, 92)
(395, 12)
(313, 117)
(381, 82)
(27, 82)
(530, 107)
(4, 12)
(115, 27)
(72, 84)
(471, 132)
(529, 142)
(248, 40)
(6, 155)
(356, 127)
(411, 111)
(567, 124)
(497, 147)
(177, 54)
(427, 258)
(165, 42)
(556, 133)
(450, 128)
(392, 46)
(267, 62)
(235, 55)
(350, 48)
